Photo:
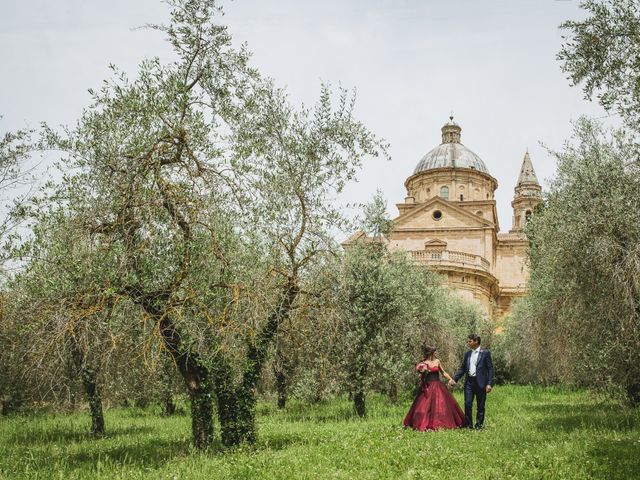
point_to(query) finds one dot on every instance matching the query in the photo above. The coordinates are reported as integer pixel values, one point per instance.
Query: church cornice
(511, 243)
(441, 229)
(513, 292)
(478, 203)
(512, 237)
(452, 173)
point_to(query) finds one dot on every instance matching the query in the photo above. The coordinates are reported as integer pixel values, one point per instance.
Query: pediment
(357, 235)
(361, 236)
(452, 216)
(435, 245)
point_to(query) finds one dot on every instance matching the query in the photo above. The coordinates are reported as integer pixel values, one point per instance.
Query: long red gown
(434, 407)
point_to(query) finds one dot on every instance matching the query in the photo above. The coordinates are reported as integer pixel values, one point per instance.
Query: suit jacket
(484, 368)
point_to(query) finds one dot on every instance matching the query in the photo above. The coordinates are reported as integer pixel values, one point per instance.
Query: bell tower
(528, 194)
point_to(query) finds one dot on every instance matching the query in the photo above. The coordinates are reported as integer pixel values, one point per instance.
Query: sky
(412, 63)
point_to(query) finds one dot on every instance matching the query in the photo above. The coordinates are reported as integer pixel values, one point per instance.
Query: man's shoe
(478, 427)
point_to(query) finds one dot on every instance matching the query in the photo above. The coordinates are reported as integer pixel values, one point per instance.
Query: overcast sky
(413, 62)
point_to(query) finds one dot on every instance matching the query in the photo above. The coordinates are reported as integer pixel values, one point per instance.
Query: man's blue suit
(475, 386)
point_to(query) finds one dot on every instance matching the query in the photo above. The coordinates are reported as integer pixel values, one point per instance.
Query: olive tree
(208, 197)
(16, 149)
(148, 177)
(581, 322)
(300, 161)
(381, 294)
(601, 53)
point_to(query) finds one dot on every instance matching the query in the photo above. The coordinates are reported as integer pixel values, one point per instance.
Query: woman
(434, 407)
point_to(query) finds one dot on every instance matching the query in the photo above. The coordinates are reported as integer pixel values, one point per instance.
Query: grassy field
(530, 432)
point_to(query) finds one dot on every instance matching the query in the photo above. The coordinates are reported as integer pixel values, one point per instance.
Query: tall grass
(530, 432)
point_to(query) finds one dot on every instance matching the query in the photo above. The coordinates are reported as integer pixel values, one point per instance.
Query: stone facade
(449, 223)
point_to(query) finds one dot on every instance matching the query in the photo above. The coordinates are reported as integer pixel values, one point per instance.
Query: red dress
(434, 407)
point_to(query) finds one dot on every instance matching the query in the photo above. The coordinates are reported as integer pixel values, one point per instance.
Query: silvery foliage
(194, 186)
(16, 151)
(299, 161)
(582, 319)
(144, 207)
(601, 53)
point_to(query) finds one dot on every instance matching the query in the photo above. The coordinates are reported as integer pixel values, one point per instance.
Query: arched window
(527, 215)
(444, 192)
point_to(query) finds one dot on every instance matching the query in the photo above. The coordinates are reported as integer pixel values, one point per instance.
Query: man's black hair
(475, 337)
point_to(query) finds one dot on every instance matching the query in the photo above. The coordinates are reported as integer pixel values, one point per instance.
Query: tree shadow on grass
(615, 459)
(82, 459)
(585, 416)
(284, 441)
(343, 414)
(30, 437)
(151, 454)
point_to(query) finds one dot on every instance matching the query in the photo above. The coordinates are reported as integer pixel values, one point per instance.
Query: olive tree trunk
(195, 373)
(236, 405)
(88, 377)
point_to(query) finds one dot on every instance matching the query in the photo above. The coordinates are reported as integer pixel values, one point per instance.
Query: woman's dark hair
(475, 337)
(428, 350)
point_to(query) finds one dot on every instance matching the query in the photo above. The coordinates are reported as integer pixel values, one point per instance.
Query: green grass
(530, 432)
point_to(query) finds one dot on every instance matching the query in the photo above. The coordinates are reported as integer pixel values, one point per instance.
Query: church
(448, 222)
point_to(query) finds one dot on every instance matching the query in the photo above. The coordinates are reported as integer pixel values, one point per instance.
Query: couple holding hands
(435, 407)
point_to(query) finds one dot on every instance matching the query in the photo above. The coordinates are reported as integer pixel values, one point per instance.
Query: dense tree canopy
(581, 322)
(198, 197)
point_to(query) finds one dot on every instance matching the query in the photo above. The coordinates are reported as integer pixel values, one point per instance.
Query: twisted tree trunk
(95, 402)
(194, 371)
(236, 406)
(197, 377)
(282, 368)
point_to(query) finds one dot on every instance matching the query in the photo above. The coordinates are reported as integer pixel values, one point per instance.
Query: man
(478, 368)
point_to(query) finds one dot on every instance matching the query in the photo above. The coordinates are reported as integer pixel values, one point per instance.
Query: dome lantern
(451, 131)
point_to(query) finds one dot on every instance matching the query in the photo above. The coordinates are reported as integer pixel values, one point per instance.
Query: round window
(437, 215)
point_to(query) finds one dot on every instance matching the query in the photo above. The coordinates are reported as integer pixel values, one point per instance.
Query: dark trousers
(471, 389)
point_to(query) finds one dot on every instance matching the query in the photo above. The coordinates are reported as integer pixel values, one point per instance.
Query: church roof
(527, 173)
(451, 153)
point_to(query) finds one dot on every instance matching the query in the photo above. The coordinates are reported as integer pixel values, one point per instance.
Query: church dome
(451, 153)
